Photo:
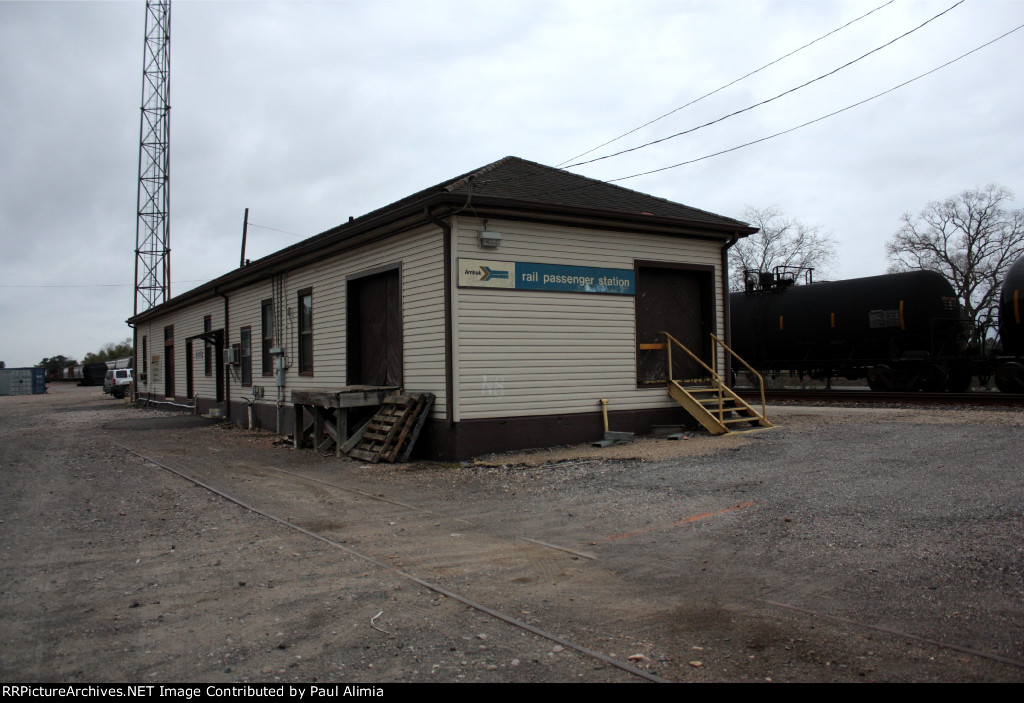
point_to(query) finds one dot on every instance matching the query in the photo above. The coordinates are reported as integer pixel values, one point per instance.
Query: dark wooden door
(218, 351)
(375, 330)
(677, 301)
(189, 372)
(169, 362)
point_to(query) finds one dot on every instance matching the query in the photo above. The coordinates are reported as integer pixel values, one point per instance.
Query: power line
(88, 285)
(727, 85)
(274, 229)
(593, 181)
(823, 117)
(765, 102)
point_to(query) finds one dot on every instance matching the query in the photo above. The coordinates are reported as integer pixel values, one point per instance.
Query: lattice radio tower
(152, 231)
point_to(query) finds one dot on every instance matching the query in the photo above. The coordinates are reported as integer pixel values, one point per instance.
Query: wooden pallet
(330, 409)
(392, 432)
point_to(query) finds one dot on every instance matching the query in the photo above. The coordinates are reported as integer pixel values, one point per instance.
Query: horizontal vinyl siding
(145, 330)
(205, 386)
(245, 309)
(423, 317)
(187, 323)
(538, 353)
(420, 255)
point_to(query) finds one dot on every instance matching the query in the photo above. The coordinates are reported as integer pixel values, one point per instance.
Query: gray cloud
(308, 112)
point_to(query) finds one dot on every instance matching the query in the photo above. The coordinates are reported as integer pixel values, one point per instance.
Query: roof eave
(642, 221)
(315, 247)
(369, 228)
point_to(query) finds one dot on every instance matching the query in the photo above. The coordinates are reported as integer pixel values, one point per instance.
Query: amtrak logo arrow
(491, 273)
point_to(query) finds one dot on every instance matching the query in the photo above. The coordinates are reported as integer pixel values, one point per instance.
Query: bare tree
(971, 239)
(782, 241)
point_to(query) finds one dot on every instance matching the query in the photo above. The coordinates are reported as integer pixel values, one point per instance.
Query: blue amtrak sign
(524, 275)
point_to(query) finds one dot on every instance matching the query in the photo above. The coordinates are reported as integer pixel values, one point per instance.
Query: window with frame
(145, 358)
(267, 317)
(306, 332)
(245, 355)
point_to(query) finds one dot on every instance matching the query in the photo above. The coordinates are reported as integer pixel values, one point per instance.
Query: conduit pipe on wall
(150, 401)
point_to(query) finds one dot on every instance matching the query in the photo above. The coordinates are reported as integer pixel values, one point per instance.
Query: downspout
(278, 305)
(227, 345)
(727, 316)
(133, 391)
(449, 374)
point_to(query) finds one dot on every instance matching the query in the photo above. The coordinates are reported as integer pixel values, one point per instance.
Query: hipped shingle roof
(510, 183)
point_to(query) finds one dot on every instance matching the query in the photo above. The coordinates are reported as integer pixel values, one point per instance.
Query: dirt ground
(846, 545)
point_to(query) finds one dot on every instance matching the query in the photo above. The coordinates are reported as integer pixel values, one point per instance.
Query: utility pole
(245, 231)
(152, 232)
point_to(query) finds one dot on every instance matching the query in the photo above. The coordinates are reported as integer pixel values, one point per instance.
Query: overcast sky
(309, 112)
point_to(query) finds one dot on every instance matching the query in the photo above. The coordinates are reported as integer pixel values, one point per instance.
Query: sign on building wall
(523, 275)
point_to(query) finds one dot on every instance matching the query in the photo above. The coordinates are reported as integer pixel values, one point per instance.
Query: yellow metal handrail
(737, 357)
(714, 374)
(712, 370)
(668, 349)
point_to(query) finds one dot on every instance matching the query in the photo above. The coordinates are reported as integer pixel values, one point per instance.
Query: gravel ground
(846, 545)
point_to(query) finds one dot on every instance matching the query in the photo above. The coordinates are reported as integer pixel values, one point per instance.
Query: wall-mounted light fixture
(488, 240)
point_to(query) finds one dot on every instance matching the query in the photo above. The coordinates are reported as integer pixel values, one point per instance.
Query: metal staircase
(709, 400)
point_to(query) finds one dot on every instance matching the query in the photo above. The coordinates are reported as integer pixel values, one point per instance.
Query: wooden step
(726, 403)
(393, 430)
(711, 411)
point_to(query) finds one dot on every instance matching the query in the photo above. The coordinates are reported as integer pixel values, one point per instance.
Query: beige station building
(518, 294)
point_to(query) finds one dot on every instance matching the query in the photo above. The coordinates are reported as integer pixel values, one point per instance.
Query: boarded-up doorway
(375, 329)
(679, 301)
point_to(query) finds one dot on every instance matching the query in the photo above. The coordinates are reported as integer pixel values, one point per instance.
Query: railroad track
(867, 397)
(194, 474)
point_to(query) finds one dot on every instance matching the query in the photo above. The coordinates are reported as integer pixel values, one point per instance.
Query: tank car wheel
(1010, 377)
(880, 378)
